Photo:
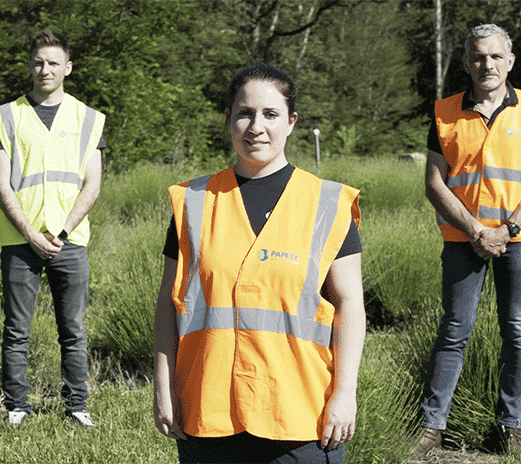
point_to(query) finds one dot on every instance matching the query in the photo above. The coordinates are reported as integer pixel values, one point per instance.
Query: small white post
(316, 131)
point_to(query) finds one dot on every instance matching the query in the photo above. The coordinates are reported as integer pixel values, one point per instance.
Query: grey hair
(486, 30)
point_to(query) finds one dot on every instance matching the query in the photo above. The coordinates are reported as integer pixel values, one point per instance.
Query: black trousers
(244, 448)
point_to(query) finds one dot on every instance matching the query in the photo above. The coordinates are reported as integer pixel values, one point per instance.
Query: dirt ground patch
(461, 456)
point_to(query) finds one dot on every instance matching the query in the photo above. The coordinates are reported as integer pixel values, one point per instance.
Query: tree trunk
(438, 55)
(305, 40)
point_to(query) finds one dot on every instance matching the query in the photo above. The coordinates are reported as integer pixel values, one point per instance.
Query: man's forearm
(443, 199)
(82, 206)
(13, 211)
(450, 208)
(88, 195)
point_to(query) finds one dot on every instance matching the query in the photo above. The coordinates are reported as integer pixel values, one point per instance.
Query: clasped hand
(491, 242)
(46, 246)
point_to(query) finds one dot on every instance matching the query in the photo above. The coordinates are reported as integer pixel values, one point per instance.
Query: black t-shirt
(47, 114)
(260, 197)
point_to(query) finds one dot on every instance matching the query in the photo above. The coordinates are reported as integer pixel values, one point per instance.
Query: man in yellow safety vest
(50, 172)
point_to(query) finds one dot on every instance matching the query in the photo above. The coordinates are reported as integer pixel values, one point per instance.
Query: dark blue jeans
(68, 275)
(463, 276)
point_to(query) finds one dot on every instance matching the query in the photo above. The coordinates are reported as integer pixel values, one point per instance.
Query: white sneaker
(82, 418)
(16, 417)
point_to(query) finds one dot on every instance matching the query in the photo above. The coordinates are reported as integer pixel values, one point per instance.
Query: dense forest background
(159, 69)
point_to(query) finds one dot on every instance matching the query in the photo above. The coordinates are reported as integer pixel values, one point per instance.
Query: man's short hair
(486, 30)
(50, 39)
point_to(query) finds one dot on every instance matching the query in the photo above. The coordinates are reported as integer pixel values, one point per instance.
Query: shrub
(401, 259)
(126, 269)
(385, 409)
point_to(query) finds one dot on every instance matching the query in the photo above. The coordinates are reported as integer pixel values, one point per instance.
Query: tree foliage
(159, 69)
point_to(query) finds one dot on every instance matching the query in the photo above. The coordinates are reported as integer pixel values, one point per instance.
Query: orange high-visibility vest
(484, 163)
(254, 332)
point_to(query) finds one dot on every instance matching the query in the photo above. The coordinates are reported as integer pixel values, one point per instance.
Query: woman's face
(260, 124)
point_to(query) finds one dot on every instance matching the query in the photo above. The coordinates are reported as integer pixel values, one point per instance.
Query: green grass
(383, 432)
(125, 432)
(401, 269)
(401, 258)
(126, 269)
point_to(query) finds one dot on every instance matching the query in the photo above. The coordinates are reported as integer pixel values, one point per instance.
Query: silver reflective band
(65, 177)
(8, 121)
(511, 175)
(29, 181)
(467, 178)
(326, 213)
(494, 213)
(265, 320)
(302, 325)
(194, 296)
(86, 132)
(489, 172)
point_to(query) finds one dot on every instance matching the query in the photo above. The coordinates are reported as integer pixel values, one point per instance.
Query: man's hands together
(45, 245)
(491, 242)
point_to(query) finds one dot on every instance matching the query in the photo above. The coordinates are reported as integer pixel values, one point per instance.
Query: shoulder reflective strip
(466, 178)
(86, 131)
(326, 213)
(498, 214)
(300, 327)
(512, 175)
(16, 171)
(194, 297)
(64, 177)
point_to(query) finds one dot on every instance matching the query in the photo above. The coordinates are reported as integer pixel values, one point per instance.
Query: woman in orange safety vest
(260, 320)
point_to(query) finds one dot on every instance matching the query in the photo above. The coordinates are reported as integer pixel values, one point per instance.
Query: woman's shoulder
(306, 176)
(203, 180)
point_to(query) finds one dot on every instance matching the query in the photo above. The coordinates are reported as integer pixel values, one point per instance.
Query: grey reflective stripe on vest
(485, 212)
(302, 325)
(281, 322)
(309, 298)
(17, 181)
(65, 178)
(472, 178)
(498, 214)
(86, 132)
(466, 178)
(29, 181)
(511, 175)
(489, 172)
(197, 315)
(16, 170)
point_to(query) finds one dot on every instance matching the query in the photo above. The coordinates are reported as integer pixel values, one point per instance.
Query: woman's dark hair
(264, 72)
(50, 39)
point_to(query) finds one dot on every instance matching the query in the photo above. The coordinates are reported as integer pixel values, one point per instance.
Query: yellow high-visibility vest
(254, 348)
(484, 163)
(48, 166)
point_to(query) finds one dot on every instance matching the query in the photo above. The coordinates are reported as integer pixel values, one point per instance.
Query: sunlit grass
(401, 268)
